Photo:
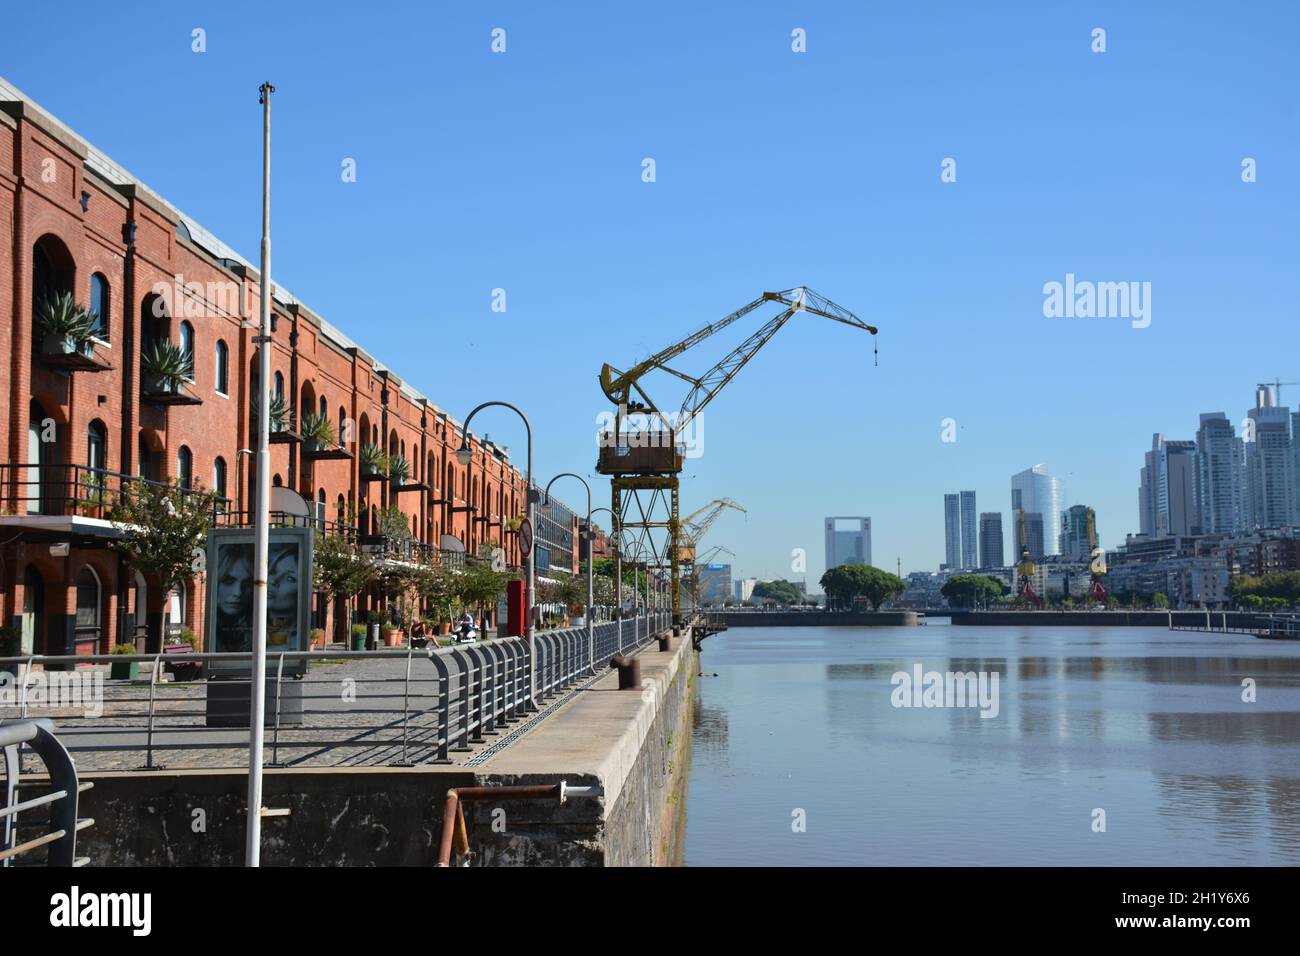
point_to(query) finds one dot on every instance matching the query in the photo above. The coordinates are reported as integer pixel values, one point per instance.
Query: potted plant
(124, 670)
(392, 634)
(317, 432)
(65, 328)
(373, 461)
(277, 412)
(573, 594)
(399, 470)
(165, 367)
(358, 634)
(317, 639)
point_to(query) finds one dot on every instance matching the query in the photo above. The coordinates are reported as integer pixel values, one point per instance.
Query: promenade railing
(391, 707)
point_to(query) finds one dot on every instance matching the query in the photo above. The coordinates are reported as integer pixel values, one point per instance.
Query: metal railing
(394, 707)
(71, 489)
(58, 836)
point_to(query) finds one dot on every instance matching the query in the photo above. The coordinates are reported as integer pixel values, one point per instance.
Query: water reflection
(1148, 724)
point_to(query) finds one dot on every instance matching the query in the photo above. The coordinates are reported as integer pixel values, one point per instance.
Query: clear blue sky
(774, 169)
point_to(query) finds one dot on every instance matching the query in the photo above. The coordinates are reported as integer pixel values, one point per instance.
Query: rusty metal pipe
(453, 814)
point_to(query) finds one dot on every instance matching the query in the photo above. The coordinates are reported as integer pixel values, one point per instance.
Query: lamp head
(464, 454)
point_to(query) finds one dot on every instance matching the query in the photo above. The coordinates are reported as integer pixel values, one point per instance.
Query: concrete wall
(816, 618)
(1097, 618)
(339, 817)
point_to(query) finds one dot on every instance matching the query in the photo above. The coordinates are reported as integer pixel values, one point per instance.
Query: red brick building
(78, 223)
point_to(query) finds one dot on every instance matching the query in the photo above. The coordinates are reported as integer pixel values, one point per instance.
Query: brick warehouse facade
(78, 223)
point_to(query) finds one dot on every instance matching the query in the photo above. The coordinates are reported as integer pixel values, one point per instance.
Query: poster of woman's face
(234, 587)
(231, 589)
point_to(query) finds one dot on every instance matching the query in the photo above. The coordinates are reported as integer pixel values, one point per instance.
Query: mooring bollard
(629, 672)
(665, 642)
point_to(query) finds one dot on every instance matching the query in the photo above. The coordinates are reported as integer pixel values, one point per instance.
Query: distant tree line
(1280, 589)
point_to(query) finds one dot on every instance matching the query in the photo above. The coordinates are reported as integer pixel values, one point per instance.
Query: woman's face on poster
(282, 582)
(234, 581)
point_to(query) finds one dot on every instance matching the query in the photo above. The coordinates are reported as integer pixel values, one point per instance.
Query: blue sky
(522, 171)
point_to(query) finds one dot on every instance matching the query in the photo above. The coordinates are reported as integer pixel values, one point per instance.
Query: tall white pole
(257, 687)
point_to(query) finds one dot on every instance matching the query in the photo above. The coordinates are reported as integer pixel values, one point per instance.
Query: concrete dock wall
(1116, 618)
(634, 744)
(817, 618)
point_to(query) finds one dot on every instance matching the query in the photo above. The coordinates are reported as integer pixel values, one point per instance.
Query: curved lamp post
(641, 553)
(546, 500)
(618, 575)
(465, 455)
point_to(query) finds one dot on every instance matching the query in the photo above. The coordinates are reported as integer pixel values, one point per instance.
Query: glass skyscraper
(1036, 492)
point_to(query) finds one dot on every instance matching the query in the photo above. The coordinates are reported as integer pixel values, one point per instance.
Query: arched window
(343, 435)
(185, 467)
(146, 466)
(279, 386)
(97, 445)
(276, 481)
(187, 340)
(320, 517)
(325, 409)
(219, 477)
(223, 368)
(99, 303)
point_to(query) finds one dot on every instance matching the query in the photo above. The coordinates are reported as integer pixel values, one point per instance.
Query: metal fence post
(275, 739)
(406, 700)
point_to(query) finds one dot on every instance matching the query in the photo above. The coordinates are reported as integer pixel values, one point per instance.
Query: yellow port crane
(1096, 564)
(644, 465)
(692, 574)
(1026, 596)
(694, 528)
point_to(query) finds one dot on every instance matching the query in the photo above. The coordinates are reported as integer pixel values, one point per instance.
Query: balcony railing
(80, 490)
(70, 490)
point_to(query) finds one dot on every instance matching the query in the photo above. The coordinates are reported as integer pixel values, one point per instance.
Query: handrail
(61, 835)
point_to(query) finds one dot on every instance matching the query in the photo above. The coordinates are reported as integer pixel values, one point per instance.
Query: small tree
(164, 530)
(440, 589)
(480, 585)
(342, 570)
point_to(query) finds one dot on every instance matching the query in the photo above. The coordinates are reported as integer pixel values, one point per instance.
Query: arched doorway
(53, 271)
(88, 603)
(39, 487)
(33, 627)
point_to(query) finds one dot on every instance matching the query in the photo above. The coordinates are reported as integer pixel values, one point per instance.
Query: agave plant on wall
(64, 326)
(276, 412)
(317, 431)
(373, 460)
(399, 470)
(165, 367)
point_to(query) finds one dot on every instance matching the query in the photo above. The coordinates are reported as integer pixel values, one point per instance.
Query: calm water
(1145, 723)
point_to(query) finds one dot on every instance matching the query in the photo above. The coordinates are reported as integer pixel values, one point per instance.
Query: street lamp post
(639, 555)
(261, 518)
(591, 633)
(618, 577)
(465, 455)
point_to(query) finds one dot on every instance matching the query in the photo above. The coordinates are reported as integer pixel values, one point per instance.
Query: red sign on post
(525, 538)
